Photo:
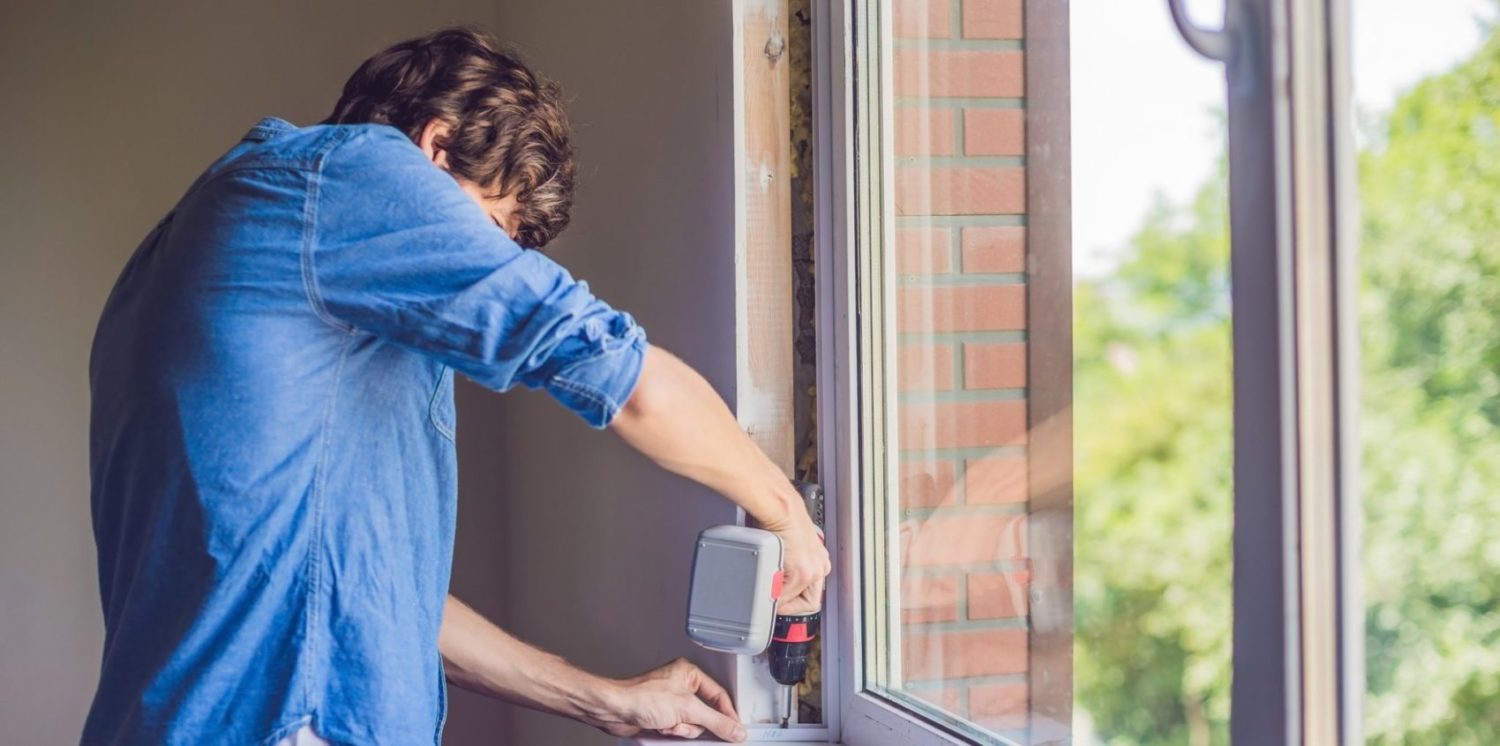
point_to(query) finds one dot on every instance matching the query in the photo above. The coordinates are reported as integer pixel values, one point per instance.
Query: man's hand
(804, 561)
(677, 699)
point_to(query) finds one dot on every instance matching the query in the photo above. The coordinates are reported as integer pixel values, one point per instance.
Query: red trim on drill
(795, 633)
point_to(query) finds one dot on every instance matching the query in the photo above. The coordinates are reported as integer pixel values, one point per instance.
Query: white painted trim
(864, 719)
(833, 59)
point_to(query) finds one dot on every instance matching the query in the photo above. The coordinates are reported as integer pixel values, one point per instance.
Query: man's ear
(434, 135)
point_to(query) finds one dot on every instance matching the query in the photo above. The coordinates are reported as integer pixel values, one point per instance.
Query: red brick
(924, 368)
(923, 251)
(995, 480)
(962, 424)
(946, 538)
(929, 598)
(998, 595)
(960, 654)
(927, 484)
(992, 19)
(926, 73)
(961, 308)
(994, 132)
(994, 366)
(960, 190)
(999, 706)
(997, 248)
(946, 698)
(924, 132)
(922, 19)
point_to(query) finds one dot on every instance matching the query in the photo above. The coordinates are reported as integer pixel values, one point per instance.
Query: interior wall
(594, 542)
(110, 111)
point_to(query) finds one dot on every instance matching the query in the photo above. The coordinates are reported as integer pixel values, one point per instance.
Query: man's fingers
(815, 591)
(683, 730)
(710, 692)
(803, 604)
(721, 725)
(805, 601)
(794, 585)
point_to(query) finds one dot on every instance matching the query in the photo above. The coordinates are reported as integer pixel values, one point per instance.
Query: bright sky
(1143, 103)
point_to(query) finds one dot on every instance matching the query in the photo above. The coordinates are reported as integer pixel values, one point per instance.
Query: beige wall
(564, 536)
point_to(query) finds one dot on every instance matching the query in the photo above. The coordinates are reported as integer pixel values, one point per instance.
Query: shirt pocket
(440, 411)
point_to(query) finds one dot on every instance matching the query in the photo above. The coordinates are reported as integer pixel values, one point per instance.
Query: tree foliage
(1153, 408)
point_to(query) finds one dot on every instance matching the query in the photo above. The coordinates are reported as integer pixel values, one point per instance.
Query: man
(274, 478)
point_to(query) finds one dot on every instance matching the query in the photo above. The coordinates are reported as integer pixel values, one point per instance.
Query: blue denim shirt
(274, 479)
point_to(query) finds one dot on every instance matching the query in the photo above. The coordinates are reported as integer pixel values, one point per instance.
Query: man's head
(481, 115)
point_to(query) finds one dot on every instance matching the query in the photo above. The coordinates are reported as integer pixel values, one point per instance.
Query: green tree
(1430, 317)
(1153, 428)
(1152, 402)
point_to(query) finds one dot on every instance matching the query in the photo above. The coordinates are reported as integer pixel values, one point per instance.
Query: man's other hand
(678, 699)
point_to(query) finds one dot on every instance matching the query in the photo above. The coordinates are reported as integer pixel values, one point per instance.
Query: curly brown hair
(508, 130)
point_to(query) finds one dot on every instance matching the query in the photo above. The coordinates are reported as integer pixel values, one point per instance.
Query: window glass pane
(1427, 98)
(997, 614)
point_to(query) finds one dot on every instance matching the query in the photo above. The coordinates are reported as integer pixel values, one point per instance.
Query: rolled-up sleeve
(397, 250)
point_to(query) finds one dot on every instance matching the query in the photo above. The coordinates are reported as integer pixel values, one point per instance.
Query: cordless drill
(793, 634)
(735, 591)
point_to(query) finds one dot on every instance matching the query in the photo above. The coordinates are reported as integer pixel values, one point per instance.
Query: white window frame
(846, 455)
(1298, 647)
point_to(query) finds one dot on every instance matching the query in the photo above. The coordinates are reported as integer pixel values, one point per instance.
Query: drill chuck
(791, 646)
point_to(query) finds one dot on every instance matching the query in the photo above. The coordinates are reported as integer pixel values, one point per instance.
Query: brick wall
(960, 255)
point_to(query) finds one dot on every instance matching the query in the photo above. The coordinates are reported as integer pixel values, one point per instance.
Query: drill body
(793, 634)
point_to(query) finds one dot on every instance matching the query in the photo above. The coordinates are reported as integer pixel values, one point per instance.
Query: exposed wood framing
(763, 266)
(763, 228)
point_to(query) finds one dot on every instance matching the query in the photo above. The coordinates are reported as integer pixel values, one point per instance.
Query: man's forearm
(483, 658)
(677, 699)
(678, 420)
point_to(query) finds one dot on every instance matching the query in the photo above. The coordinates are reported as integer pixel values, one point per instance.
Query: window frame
(1298, 649)
(1298, 612)
(843, 447)
(848, 249)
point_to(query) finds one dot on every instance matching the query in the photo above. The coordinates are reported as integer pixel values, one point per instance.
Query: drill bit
(786, 705)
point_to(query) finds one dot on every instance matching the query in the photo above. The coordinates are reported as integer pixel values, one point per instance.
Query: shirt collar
(269, 128)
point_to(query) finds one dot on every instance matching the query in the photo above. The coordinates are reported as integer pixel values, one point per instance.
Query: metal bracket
(1214, 44)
